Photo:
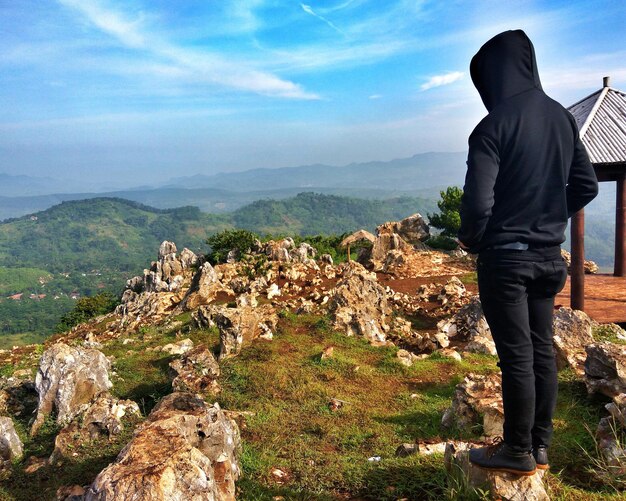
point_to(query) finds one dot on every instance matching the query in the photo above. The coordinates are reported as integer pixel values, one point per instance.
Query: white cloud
(375, 96)
(439, 80)
(310, 11)
(209, 67)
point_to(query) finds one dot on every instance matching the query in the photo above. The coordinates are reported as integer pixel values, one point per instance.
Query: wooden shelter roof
(356, 237)
(601, 120)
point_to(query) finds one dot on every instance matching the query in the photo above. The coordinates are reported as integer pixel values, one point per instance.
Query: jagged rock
(481, 344)
(134, 308)
(205, 285)
(358, 305)
(326, 259)
(502, 486)
(178, 348)
(188, 258)
(412, 229)
(605, 369)
(387, 251)
(407, 358)
(67, 379)
(11, 446)
(477, 401)
(103, 418)
(165, 274)
(17, 396)
(467, 323)
(590, 267)
(609, 435)
(452, 292)
(239, 326)
(197, 371)
(449, 353)
(185, 450)
(304, 253)
(572, 333)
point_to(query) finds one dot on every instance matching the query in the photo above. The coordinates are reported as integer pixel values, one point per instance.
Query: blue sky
(139, 91)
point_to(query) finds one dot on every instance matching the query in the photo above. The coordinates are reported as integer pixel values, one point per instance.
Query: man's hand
(462, 245)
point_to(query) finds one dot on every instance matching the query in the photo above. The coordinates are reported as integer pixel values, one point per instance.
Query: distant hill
(419, 172)
(82, 247)
(422, 176)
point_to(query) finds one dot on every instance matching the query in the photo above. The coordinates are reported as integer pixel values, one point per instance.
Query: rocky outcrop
(203, 289)
(67, 380)
(185, 450)
(469, 324)
(11, 446)
(502, 486)
(166, 274)
(572, 333)
(286, 251)
(589, 266)
(197, 371)
(605, 369)
(238, 326)
(358, 305)
(103, 418)
(477, 402)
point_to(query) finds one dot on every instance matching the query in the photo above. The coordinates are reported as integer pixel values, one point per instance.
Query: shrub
(223, 242)
(86, 308)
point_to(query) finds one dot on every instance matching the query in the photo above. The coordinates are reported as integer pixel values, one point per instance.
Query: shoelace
(497, 444)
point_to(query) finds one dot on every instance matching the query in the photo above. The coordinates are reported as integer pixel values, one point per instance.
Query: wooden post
(620, 228)
(577, 294)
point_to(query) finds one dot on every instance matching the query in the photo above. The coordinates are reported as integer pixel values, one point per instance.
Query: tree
(223, 242)
(88, 307)
(449, 219)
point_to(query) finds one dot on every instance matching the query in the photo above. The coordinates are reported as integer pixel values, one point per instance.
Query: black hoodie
(527, 170)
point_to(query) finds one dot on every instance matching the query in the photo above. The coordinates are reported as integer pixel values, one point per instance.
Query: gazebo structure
(601, 120)
(357, 236)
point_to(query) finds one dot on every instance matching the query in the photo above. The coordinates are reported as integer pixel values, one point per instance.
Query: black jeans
(517, 289)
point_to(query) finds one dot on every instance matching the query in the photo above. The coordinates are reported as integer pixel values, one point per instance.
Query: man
(527, 173)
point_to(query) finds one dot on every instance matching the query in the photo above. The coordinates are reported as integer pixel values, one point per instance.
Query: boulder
(572, 333)
(502, 486)
(177, 348)
(477, 402)
(239, 326)
(185, 450)
(358, 305)
(469, 324)
(197, 371)
(11, 446)
(413, 229)
(605, 369)
(204, 287)
(67, 380)
(103, 418)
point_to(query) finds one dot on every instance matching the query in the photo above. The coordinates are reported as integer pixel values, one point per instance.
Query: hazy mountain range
(421, 175)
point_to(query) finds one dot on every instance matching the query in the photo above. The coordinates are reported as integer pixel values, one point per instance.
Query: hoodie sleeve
(483, 162)
(582, 184)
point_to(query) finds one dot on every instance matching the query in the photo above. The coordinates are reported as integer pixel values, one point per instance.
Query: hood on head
(503, 67)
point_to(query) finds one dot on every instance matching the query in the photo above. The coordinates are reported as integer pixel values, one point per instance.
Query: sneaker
(540, 453)
(501, 457)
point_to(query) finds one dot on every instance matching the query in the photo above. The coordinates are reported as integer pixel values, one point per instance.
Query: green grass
(324, 453)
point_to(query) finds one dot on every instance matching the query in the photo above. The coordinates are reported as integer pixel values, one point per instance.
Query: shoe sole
(543, 466)
(508, 470)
